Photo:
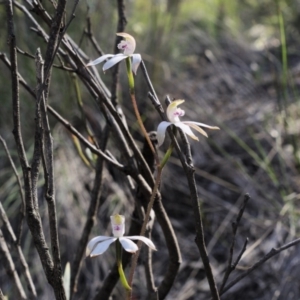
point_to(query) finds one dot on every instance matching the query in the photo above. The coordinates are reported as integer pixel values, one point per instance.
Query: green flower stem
(80, 105)
(130, 75)
(120, 266)
(167, 156)
(80, 152)
(136, 110)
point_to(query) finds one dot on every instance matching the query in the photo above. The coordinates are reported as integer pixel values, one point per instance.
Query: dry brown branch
(46, 149)
(273, 252)
(90, 220)
(188, 167)
(24, 265)
(22, 208)
(231, 266)
(115, 72)
(10, 267)
(33, 218)
(189, 172)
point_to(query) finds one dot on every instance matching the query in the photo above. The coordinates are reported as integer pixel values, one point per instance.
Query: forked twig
(231, 266)
(273, 252)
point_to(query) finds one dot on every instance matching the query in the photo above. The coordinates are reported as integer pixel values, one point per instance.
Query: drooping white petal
(98, 245)
(99, 60)
(136, 60)
(196, 127)
(118, 225)
(147, 241)
(161, 132)
(201, 124)
(113, 61)
(128, 245)
(186, 129)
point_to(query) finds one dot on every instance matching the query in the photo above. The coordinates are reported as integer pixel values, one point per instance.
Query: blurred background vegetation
(237, 65)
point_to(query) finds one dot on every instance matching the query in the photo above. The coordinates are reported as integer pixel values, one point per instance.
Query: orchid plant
(133, 61)
(173, 114)
(98, 245)
(128, 46)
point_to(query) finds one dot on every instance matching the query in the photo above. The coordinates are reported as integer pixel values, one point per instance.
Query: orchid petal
(199, 129)
(113, 61)
(161, 132)
(128, 245)
(99, 245)
(99, 60)
(147, 241)
(201, 124)
(136, 60)
(186, 129)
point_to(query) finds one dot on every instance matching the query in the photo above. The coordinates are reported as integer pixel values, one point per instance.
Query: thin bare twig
(59, 32)
(33, 217)
(273, 252)
(24, 265)
(235, 225)
(64, 122)
(55, 36)
(241, 253)
(22, 209)
(90, 220)
(142, 201)
(115, 71)
(91, 36)
(98, 91)
(189, 172)
(147, 252)
(171, 240)
(173, 249)
(187, 164)
(155, 99)
(10, 267)
(145, 223)
(47, 158)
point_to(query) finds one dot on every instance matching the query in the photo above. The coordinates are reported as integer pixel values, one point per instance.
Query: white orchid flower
(128, 45)
(173, 114)
(98, 245)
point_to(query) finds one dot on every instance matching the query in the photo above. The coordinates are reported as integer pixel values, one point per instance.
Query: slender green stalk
(167, 156)
(79, 150)
(80, 105)
(130, 75)
(120, 266)
(283, 47)
(136, 110)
